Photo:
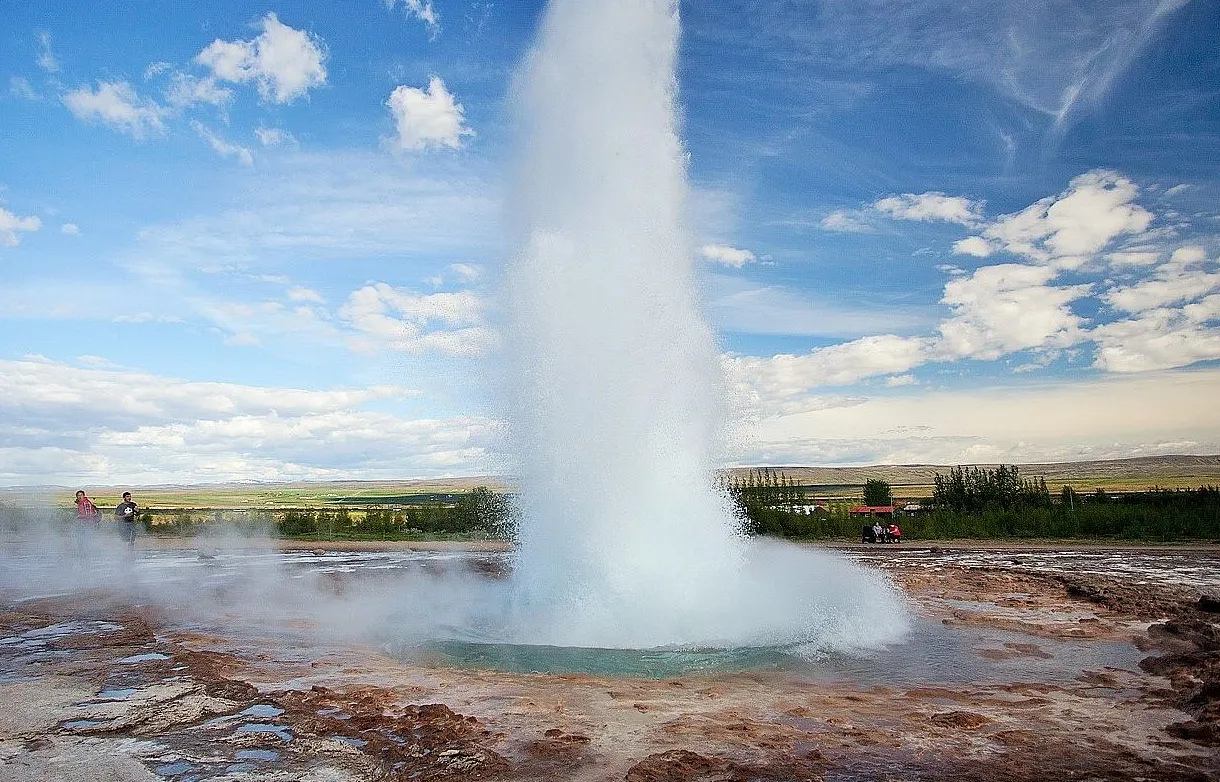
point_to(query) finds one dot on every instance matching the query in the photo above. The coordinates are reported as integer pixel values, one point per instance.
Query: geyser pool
(615, 386)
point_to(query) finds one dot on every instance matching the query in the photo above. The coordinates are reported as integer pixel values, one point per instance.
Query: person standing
(86, 511)
(125, 514)
(87, 518)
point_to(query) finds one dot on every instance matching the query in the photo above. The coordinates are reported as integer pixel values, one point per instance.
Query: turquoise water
(933, 653)
(633, 663)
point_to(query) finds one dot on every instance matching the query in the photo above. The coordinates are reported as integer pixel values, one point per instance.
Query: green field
(833, 483)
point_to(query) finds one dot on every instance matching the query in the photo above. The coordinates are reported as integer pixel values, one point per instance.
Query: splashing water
(616, 390)
(624, 543)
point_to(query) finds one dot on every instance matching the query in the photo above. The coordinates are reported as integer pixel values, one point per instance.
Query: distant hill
(908, 480)
(1112, 474)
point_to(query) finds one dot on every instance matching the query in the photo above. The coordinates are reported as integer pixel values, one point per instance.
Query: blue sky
(263, 243)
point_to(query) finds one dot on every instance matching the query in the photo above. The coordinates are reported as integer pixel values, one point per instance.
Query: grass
(909, 482)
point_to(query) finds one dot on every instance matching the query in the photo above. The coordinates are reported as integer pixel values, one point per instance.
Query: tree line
(982, 502)
(968, 502)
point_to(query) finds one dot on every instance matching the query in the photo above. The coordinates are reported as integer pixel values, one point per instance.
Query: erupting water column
(615, 386)
(615, 394)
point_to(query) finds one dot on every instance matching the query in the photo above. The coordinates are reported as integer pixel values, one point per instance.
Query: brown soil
(355, 714)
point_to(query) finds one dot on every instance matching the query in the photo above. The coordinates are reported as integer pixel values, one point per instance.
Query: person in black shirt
(125, 514)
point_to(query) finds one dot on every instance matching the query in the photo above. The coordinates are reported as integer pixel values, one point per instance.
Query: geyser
(615, 386)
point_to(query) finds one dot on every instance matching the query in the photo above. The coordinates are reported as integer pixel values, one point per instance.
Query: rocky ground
(93, 689)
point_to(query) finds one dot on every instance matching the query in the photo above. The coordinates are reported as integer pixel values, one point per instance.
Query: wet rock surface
(95, 688)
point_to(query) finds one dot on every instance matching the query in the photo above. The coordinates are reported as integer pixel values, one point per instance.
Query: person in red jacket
(86, 511)
(895, 534)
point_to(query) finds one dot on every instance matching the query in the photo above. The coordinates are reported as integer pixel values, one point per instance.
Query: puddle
(266, 755)
(331, 711)
(175, 769)
(282, 732)
(65, 629)
(143, 658)
(262, 710)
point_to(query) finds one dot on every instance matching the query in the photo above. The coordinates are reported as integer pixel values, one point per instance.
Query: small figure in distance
(87, 518)
(895, 533)
(125, 514)
(878, 532)
(86, 511)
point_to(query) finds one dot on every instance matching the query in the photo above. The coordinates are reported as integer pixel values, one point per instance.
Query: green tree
(877, 492)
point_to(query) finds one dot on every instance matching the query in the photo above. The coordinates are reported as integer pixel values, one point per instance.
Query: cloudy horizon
(267, 245)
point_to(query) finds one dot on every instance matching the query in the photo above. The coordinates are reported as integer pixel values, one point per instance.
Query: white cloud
(1005, 308)
(46, 58)
(71, 229)
(1188, 255)
(1178, 280)
(466, 272)
(462, 272)
(726, 255)
(931, 206)
(66, 424)
(1160, 338)
(38, 388)
(21, 87)
(778, 382)
(843, 221)
(1133, 257)
(248, 323)
(428, 118)
(186, 90)
(1096, 209)
(898, 381)
(421, 10)
(973, 245)
(222, 147)
(117, 104)
(270, 137)
(11, 224)
(283, 62)
(305, 295)
(403, 320)
(157, 68)
(1030, 422)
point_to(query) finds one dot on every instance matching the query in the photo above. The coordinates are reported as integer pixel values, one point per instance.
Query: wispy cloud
(116, 103)
(21, 87)
(422, 10)
(12, 225)
(301, 205)
(222, 147)
(186, 90)
(46, 58)
(385, 317)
